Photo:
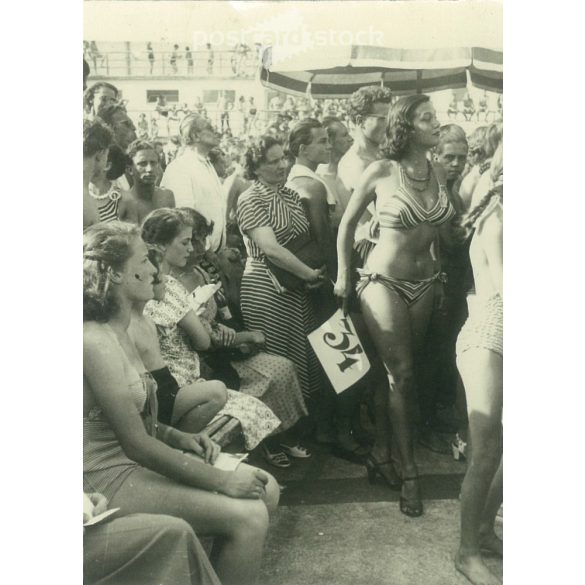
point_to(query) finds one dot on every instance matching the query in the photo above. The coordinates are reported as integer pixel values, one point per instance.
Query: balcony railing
(200, 64)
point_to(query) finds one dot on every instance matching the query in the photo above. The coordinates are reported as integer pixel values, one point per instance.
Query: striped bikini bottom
(409, 291)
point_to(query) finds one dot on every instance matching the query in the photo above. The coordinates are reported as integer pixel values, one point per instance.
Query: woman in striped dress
(269, 216)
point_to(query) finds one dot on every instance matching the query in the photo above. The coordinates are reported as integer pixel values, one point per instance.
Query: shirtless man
(309, 144)
(144, 172)
(369, 112)
(97, 139)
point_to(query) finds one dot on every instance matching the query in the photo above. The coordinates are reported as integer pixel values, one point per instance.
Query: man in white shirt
(192, 178)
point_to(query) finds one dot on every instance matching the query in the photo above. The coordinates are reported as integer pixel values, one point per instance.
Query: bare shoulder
(97, 337)
(379, 169)
(307, 187)
(163, 197)
(440, 173)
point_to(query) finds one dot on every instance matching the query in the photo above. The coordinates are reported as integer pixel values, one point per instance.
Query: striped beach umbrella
(336, 72)
(487, 70)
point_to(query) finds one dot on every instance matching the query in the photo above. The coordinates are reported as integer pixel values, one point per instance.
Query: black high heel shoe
(373, 468)
(407, 506)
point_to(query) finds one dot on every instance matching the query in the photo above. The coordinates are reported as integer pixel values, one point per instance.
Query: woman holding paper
(397, 285)
(135, 462)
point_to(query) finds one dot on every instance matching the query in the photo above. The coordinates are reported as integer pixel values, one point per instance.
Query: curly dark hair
(162, 226)
(361, 102)
(400, 123)
(119, 161)
(256, 154)
(96, 137)
(89, 94)
(107, 113)
(201, 226)
(106, 248)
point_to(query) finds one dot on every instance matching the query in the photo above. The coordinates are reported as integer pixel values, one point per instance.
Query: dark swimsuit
(166, 393)
(402, 212)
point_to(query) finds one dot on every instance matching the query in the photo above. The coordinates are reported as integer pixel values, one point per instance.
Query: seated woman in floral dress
(192, 406)
(138, 464)
(270, 378)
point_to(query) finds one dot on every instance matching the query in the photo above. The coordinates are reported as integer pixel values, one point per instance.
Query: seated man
(141, 548)
(145, 171)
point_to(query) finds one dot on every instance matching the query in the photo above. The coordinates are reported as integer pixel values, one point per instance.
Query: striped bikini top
(109, 210)
(403, 211)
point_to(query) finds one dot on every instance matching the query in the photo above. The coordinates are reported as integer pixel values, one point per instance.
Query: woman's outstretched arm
(104, 373)
(361, 197)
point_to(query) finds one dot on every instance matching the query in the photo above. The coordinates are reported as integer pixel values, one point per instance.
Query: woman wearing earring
(396, 285)
(139, 465)
(480, 363)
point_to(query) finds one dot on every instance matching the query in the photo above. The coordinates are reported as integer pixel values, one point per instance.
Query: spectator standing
(269, 215)
(192, 178)
(369, 112)
(341, 141)
(145, 169)
(210, 59)
(98, 96)
(189, 60)
(150, 56)
(97, 139)
(468, 107)
(142, 127)
(173, 60)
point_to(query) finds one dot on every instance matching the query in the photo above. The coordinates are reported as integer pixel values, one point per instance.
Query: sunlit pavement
(334, 528)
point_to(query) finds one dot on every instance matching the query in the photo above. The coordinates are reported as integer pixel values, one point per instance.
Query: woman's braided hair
(106, 248)
(497, 176)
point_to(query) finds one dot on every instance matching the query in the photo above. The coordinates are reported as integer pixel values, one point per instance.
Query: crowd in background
(198, 303)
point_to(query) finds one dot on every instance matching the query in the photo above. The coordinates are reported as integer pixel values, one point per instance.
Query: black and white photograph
(292, 293)
(288, 353)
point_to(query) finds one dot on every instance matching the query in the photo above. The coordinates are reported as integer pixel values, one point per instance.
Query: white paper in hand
(340, 351)
(199, 297)
(100, 517)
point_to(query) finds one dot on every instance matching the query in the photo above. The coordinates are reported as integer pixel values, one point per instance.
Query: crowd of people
(198, 301)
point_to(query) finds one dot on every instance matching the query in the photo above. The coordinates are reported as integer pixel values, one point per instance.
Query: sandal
(411, 508)
(278, 459)
(297, 451)
(374, 468)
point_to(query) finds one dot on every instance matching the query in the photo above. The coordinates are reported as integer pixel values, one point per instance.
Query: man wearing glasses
(369, 112)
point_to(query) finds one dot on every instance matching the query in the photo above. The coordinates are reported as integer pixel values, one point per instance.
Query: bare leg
(197, 404)
(238, 525)
(487, 536)
(396, 331)
(481, 372)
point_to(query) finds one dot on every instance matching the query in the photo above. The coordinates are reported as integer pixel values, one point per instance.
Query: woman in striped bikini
(397, 283)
